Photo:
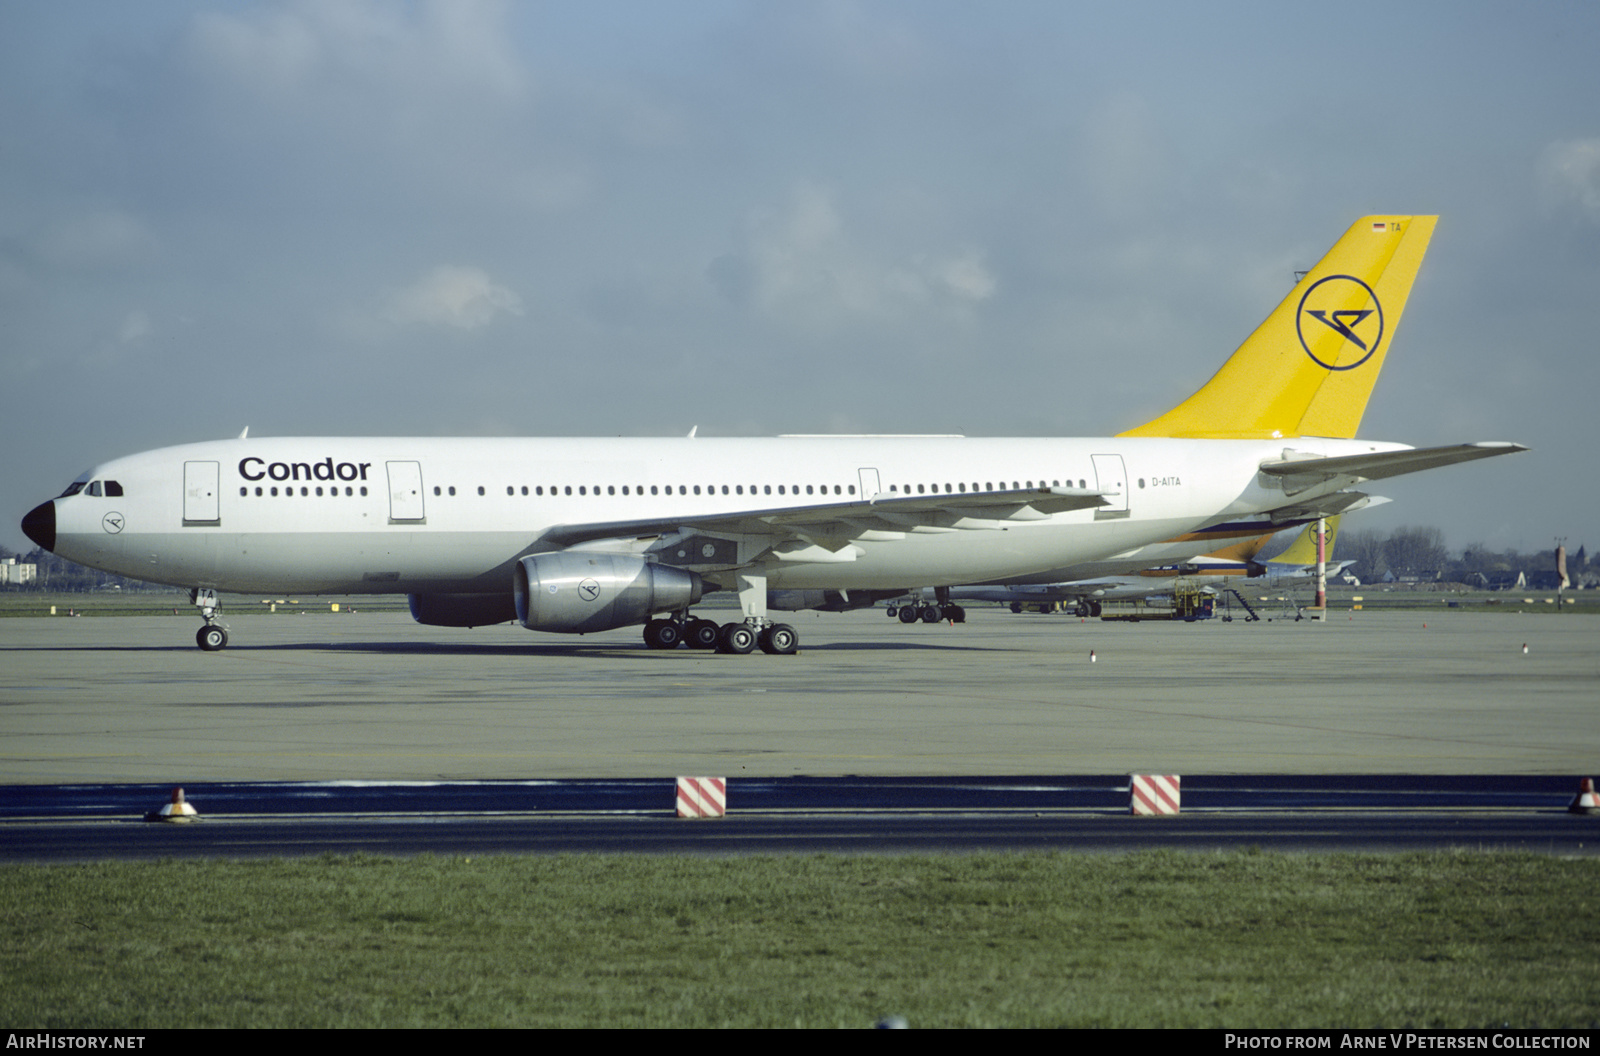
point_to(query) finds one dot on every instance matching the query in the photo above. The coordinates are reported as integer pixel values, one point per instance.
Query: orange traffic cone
(178, 810)
(1585, 802)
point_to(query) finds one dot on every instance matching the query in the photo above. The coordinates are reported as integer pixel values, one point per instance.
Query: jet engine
(575, 592)
(462, 610)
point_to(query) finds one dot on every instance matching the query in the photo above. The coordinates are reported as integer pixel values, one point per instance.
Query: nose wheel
(213, 636)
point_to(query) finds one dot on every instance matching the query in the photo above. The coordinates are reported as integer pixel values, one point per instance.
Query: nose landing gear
(213, 636)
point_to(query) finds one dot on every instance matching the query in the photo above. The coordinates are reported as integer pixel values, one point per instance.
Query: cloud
(94, 239)
(801, 261)
(450, 295)
(332, 50)
(1570, 171)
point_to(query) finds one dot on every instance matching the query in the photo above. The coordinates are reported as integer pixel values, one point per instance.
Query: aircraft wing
(1301, 473)
(883, 513)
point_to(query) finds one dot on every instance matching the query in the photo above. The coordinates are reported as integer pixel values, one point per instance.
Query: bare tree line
(1420, 551)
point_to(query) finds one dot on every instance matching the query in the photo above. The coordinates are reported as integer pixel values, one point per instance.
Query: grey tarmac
(376, 697)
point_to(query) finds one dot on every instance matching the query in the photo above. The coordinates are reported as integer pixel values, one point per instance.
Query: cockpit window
(113, 490)
(73, 488)
(94, 488)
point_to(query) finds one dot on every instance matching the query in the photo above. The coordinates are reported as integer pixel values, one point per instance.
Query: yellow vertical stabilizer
(1303, 551)
(1309, 369)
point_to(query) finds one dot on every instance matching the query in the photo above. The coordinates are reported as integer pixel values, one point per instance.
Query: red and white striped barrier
(702, 797)
(1154, 793)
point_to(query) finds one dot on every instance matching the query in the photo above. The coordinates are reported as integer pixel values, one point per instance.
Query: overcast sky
(603, 218)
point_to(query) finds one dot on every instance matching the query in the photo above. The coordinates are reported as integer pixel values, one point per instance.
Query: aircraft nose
(40, 525)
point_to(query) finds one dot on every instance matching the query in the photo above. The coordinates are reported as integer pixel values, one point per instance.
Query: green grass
(1150, 939)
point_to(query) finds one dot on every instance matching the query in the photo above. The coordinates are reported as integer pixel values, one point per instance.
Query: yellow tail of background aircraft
(1303, 551)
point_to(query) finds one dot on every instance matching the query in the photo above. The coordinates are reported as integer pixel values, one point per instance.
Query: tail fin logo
(1340, 322)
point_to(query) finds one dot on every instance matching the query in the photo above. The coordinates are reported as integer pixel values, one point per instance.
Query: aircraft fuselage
(421, 515)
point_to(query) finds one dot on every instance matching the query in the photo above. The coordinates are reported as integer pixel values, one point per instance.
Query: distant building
(13, 572)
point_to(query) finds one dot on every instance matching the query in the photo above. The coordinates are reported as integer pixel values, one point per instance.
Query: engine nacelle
(463, 610)
(575, 592)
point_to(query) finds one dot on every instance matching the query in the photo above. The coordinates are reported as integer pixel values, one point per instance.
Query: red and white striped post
(702, 797)
(1154, 794)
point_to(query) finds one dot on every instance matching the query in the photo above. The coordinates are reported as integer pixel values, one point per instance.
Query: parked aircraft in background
(585, 535)
(1232, 566)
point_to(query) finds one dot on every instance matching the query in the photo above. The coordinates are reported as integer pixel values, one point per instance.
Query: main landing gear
(941, 609)
(213, 636)
(756, 631)
(928, 613)
(779, 639)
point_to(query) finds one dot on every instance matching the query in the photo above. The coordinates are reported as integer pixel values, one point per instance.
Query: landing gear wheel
(908, 614)
(1082, 610)
(736, 638)
(1016, 606)
(780, 640)
(211, 638)
(663, 634)
(890, 612)
(930, 614)
(955, 614)
(1094, 609)
(702, 634)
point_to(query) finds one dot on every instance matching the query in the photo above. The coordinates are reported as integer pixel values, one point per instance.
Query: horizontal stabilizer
(1309, 472)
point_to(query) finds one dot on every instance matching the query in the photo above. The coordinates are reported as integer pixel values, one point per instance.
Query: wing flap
(883, 513)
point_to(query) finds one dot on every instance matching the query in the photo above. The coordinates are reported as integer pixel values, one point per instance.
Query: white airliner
(1234, 566)
(584, 535)
(1202, 559)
